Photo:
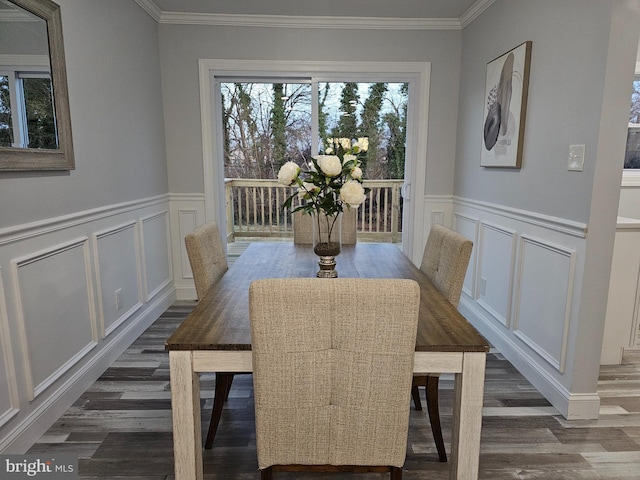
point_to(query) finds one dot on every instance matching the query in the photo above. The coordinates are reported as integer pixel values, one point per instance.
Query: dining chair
(444, 262)
(332, 376)
(302, 228)
(208, 264)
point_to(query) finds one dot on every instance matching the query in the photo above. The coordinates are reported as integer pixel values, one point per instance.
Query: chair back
(206, 257)
(332, 369)
(349, 226)
(445, 260)
(302, 228)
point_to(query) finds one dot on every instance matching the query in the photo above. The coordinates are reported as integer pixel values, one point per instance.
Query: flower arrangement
(331, 182)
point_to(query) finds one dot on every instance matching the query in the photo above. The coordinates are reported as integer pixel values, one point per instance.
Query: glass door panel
(264, 126)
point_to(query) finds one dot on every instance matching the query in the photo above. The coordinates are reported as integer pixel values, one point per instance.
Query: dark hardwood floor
(121, 427)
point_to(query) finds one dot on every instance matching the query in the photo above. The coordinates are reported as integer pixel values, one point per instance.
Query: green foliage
(347, 125)
(278, 126)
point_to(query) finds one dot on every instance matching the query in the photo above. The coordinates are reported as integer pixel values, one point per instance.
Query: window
(631, 172)
(267, 124)
(27, 118)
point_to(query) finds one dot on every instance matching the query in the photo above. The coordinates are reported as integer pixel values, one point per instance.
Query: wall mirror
(35, 122)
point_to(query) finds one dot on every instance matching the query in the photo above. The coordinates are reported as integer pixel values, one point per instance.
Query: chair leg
(415, 394)
(266, 474)
(434, 416)
(395, 473)
(223, 385)
(229, 382)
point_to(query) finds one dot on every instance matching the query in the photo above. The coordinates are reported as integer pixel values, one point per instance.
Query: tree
(396, 126)
(370, 124)
(278, 126)
(347, 125)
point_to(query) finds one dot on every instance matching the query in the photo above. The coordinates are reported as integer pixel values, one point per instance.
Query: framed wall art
(505, 108)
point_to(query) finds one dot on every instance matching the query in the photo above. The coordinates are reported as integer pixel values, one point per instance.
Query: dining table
(215, 337)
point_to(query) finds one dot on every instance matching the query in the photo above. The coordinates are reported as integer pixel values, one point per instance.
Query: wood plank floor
(121, 427)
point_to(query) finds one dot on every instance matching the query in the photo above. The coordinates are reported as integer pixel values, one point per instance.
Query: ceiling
(332, 8)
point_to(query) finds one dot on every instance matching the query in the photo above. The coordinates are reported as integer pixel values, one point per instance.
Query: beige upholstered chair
(445, 260)
(208, 265)
(302, 229)
(206, 256)
(332, 376)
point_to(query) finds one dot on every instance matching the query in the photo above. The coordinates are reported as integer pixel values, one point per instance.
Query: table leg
(467, 417)
(185, 406)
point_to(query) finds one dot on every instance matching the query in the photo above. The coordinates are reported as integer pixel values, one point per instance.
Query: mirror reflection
(27, 117)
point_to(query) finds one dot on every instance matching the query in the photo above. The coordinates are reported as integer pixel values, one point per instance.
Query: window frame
(631, 176)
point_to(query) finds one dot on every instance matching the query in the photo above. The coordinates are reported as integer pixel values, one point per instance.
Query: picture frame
(505, 108)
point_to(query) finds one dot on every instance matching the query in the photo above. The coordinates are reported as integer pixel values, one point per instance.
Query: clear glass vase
(327, 242)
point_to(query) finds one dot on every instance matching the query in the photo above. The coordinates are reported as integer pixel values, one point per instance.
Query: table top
(221, 320)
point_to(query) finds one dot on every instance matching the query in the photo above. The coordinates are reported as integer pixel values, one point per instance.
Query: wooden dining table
(216, 337)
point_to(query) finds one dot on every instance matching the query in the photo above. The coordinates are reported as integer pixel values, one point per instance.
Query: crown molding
(151, 8)
(321, 22)
(474, 12)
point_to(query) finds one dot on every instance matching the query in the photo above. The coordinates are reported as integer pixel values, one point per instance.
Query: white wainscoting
(543, 300)
(157, 273)
(9, 402)
(54, 335)
(187, 212)
(118, 270)
(522, 289)
(61, 324)
(496, 264)
(468, 226)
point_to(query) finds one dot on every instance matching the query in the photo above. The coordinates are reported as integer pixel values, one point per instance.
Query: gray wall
(182, 46)
(116, 115)
(565, 96)
(578, 94)
(70, 240)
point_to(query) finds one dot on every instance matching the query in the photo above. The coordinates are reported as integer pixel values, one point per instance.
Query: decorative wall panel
(118, 271)
(9, 395)
(495, 271)
(188, 220)
(469, 228)
(156, 254)
(55, 311)
(544, 291)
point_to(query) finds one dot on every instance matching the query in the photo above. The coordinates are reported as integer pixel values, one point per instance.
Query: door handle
(405, 190)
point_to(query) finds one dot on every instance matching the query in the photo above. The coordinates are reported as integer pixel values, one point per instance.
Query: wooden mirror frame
(20, 159)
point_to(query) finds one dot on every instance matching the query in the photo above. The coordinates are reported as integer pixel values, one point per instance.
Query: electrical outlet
(119, 299)
(483, 286)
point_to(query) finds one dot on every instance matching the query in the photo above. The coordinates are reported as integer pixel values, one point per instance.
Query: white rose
(352, 193)
(348, 157)
(363, 143)
(288, 173)
(330, 165)
(346, 143)
(356, 173)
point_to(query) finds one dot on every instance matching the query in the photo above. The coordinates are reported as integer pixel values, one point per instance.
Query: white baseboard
(583, 406)
(186, 293)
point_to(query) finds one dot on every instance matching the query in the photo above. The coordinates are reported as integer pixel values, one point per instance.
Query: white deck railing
(254, 209)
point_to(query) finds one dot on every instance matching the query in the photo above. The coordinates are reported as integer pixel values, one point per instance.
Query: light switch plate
(576, 158)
